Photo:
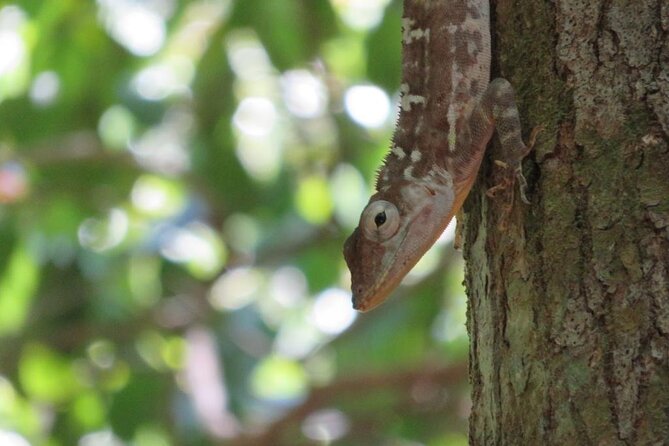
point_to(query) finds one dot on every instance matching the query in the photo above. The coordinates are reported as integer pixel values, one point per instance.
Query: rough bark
(569, 303)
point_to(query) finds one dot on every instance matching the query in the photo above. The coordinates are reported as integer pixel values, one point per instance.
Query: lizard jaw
(376, 295)
(419, 235)
(415, 242)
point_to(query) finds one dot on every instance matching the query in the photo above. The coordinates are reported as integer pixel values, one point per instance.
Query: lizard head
(396, 228)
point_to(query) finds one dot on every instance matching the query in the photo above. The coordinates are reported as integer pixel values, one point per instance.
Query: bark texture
(569, 303)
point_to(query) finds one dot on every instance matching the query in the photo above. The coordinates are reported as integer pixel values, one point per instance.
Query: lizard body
(448, 112)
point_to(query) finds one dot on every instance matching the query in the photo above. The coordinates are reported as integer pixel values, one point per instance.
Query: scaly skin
(448, 114)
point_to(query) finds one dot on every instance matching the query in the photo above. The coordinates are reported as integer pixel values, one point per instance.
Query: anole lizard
(448, 114)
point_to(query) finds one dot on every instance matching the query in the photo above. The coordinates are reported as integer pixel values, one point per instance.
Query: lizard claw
(533, 137)
(515, 163)
(522, 182)
(522, 185)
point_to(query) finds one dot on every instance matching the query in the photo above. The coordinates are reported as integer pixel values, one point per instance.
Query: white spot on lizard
(415, 156)
(398, 152)
(408, 173)
(409, 34)
(408, 99)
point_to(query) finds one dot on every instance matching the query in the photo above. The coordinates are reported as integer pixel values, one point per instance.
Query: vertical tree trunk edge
(568, 306)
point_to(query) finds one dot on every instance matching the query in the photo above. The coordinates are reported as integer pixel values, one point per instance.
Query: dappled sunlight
(367, 105)
(297, 338)
(8, 438)
(288, 287)
(156, 196)
(304, 94)
(326, 425)
(101, 438)
(236, 288)
(163, 148)
(176, 182)
(243, 233)
(157, 82)
(45, 88)
(196, 246)
(102, 353)
(204, 381)
(278, 378)
(313, 199)
(360, 14)
(332, 312)
(116, 127)
(248, 58)
(15, 57)
(259, 146)
(12, 18)
(255, 116)
(139, 26)
(102, 234)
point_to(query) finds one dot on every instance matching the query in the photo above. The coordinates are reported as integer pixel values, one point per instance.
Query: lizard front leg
(497, 109)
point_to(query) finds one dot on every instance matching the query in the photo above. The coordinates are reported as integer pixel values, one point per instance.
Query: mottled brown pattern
(448, 113)
(450, 69)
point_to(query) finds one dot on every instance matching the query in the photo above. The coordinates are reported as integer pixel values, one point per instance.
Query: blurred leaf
(282, 25)
(345, 55)
(145, 185)
(450, 440)
(88, 411)
(18, 284)
(46, 375)
(142, 400)
(151, 435)
(17, 412)
(313, 200)
(278, 378)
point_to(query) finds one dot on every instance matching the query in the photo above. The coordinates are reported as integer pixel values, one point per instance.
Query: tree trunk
(568, 309)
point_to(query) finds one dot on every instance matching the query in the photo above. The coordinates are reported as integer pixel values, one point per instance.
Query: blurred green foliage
(176, 182)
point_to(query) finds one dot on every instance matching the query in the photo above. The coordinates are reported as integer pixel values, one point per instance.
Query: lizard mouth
(366, 300)
(421, 233)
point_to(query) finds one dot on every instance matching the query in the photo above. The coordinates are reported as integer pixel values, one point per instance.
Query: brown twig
(321, 396)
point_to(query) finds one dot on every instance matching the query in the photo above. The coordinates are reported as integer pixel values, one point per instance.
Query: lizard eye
(380, 220)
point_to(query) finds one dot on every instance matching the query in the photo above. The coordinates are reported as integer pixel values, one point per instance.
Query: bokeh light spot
(116, 127)
(140, 29)
(278, 378)
(11, 42)
(304, 94)
(13, 182)
(45, 88)
(9, 438)
(255, 116)
(236, 288)
(313, 200)
(332, 312)
(326, 425)
(367, 105)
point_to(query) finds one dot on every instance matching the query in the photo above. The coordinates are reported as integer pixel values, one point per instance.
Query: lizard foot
(515, 164)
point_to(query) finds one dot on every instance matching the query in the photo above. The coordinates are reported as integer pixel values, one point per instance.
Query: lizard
(448, 112)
